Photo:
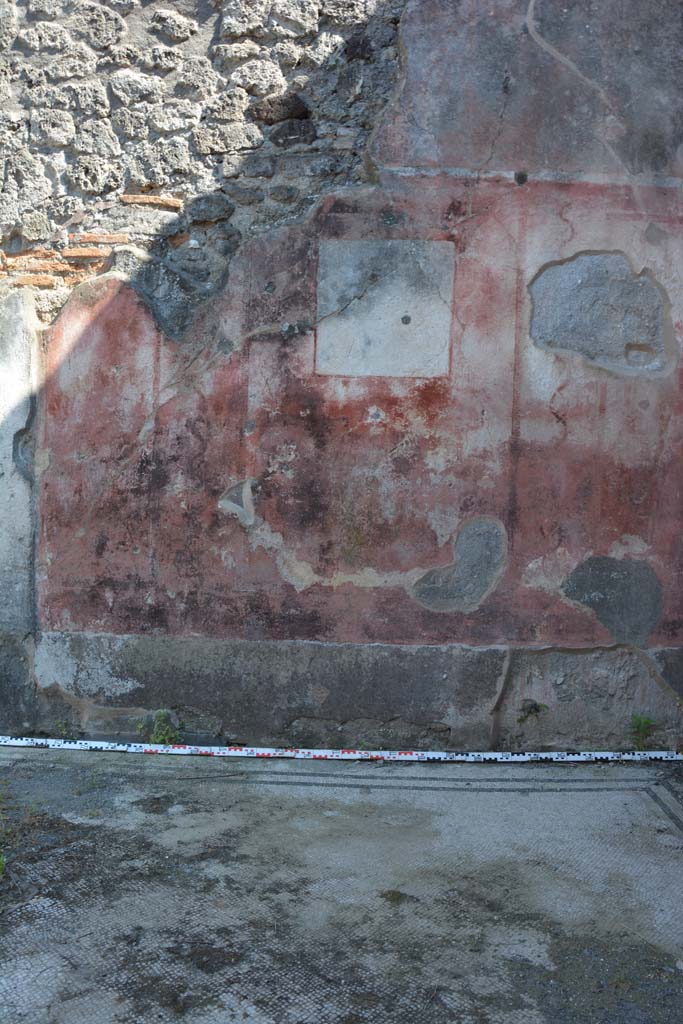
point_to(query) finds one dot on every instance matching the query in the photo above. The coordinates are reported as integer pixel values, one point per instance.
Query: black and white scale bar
(312, 754)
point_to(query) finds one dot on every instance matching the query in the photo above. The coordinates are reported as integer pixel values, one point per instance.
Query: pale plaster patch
(444, 522)
(549, 572)
(301, 575)
(237, 500)
(629, 546)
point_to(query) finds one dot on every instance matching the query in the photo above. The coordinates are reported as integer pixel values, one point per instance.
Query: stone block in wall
(418, 696)
(294, 693)
(574, 700)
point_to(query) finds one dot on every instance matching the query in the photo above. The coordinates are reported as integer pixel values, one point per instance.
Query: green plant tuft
(642, 728)
(64, 730)
(163, 729)
(530, 709)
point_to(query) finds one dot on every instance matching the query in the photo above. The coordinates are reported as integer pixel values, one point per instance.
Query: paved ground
(159, 889)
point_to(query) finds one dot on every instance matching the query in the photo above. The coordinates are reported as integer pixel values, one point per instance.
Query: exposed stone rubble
(267, 103)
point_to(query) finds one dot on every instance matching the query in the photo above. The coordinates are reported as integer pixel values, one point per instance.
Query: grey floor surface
(216, 892)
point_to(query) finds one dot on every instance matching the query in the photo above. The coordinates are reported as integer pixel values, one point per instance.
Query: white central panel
(384, 308)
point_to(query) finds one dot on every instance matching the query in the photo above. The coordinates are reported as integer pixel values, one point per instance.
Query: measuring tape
(312, 754)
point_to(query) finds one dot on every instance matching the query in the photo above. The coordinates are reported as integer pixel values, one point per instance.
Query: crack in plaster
(561, 58)
(588, 82)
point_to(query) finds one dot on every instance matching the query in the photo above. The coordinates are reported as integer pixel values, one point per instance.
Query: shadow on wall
(171, 284)
(130, 347)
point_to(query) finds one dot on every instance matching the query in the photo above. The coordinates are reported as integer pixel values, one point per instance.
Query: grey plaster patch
(479, 561)
(670, 663)
(17, 341)
(625, 595)
(384, 308)
(595, 304)
(654, 234)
